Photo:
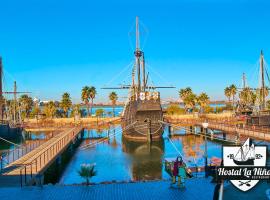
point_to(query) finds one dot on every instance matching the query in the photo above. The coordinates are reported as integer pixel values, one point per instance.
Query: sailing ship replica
(10, 117)
(142, 114)
(245, 154)
(260, 115)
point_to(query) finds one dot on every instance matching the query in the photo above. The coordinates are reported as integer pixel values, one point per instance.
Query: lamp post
(205, 126)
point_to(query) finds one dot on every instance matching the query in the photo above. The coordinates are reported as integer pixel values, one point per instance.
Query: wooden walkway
(37, 161)
(255, 132)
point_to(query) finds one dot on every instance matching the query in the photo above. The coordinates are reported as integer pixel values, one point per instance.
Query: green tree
(233, 91)
(50, 109)
(26, 103)
(35, 112)
(87, 172)
(113, 97)
(92, 95)
(99, 112)
(190, 101)
(174, 109)
(203, 101)
(66, 103)
(85, 96)
(188, 98)
(227, 93)
(76, 111)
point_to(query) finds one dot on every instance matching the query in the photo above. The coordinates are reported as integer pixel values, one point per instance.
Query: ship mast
(244, 80)
(138, 53)
(262, 81)
(1, 90)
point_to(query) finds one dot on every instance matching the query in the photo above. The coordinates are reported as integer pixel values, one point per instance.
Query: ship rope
(102, 140)
(119, 74)
(145, 126)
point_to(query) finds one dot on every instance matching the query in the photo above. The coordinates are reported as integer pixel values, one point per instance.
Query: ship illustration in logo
(246, 154)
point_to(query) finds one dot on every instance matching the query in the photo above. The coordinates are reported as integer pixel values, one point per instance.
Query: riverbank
(61, 123)
(225, 115)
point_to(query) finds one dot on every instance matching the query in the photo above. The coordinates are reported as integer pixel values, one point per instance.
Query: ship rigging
(143, 108)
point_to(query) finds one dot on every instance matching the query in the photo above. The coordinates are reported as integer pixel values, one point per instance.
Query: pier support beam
(190, 129)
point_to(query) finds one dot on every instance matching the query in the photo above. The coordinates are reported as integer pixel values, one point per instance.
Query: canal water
(119, 160)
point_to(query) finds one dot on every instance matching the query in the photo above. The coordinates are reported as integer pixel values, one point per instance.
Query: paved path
(196, 189)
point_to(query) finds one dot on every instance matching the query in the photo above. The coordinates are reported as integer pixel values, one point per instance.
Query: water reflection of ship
(146, 159)
(245, 154)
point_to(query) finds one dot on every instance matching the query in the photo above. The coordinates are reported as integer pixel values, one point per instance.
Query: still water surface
(120, 160)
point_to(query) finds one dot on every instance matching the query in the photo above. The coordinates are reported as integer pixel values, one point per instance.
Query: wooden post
(169, 129)
(205, 153)
(149, 138)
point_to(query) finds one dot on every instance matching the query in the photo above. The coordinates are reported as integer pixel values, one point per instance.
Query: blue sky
(50, 47)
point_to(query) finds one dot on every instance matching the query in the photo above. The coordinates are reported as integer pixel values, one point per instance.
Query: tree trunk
(87, 181)
(88, 111)
(113, 111)
(91, 106)
(233, 102)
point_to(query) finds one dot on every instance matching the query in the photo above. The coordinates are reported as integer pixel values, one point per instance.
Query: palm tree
(186, 95)
(86, 97)
(27, 103)
(66, 103)
(113, 97)
(190, 101)
(92, 95)
(50, 109)
(87, 172)
(233, 91)
(203, 100)
(227, 93)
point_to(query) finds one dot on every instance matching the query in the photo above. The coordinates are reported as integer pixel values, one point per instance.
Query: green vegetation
(85, 96)
(66, 103)
(113, 97)
(50, 109)
(230, 92)
(203, 101)
(99, 112)
(174, 109)
(188, 97)
(92, 95)
(190, 100)
(87, 172)
(26, 103)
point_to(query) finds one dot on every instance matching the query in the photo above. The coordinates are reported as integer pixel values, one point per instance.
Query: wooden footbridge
(262, 133)
(29, 169)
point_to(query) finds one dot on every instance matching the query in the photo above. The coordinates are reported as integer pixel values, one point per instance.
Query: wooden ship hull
(142, 120)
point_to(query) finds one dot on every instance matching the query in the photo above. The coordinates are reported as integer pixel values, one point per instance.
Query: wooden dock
(29, 169)
(255, 132)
